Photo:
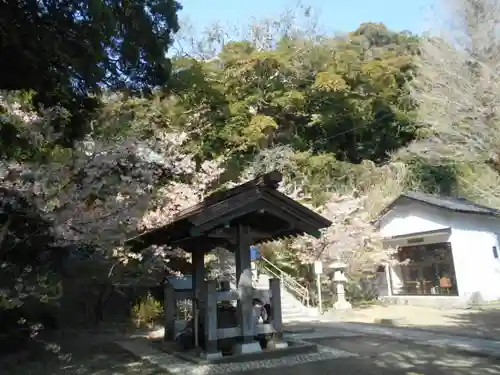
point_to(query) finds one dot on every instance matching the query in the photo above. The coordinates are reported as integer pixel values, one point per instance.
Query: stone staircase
(294, 296)
(292, 308)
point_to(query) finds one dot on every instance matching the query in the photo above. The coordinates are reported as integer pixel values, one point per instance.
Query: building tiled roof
(452, 203)
(256, 204)
(456, 204)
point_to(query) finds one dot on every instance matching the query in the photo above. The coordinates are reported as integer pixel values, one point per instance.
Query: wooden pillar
(170, 305)
(242, 251)
(276, 315)
(198, 261)
(210, 323)
(276, 312)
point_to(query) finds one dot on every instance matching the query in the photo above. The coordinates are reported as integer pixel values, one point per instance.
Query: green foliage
(68, 51)
(147, 311)
(345, 96)
(327, 111)
(435, 179)
(359, 292)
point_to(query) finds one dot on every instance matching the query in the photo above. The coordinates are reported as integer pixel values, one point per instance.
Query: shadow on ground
(377, 355)
(478, 323)
(101, 358)
(469, 323)
(388, 356)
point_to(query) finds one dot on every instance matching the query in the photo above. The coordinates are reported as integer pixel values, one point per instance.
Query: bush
(360, 291)
(147, 311)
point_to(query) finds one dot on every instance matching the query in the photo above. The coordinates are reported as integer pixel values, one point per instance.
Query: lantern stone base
(342, 305)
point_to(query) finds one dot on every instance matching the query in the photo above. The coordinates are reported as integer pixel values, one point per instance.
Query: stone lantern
(339, 280)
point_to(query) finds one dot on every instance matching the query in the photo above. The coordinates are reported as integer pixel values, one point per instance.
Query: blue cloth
(255, 253)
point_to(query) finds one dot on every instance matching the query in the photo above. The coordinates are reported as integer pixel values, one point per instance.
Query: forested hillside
(91, 157)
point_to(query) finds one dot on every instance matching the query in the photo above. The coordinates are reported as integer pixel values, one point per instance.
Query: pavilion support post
(170, 305)
(277, 341)
(198, 261)
(245, 289)
(210, 323)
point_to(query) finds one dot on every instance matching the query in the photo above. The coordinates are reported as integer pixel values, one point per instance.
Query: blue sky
(335, 15)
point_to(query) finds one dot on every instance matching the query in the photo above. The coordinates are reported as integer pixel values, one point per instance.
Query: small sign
(255, 253)
(318, 267)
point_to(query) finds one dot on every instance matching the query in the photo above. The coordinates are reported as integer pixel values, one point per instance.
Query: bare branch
(458, 83)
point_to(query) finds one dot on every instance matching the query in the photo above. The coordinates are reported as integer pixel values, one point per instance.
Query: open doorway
(427, 270)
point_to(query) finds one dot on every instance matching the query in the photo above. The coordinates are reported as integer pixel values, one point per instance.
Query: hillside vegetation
(351, 121)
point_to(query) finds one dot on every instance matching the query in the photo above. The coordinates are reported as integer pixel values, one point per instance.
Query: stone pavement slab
(178, 366)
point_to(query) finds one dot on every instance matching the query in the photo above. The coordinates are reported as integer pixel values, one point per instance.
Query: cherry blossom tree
(92, 197)
(457, 83)
(352, 238)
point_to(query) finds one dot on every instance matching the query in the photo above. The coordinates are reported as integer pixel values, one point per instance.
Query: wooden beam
(231, 235)
(230, 295)
(235, 210)
(183, 294)
(260, 329)
(226, 333)
(234, 295)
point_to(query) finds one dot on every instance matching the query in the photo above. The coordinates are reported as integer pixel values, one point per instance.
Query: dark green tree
(67, 51)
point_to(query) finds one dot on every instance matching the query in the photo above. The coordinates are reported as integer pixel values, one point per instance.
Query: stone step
(292, 308)
(294, 311)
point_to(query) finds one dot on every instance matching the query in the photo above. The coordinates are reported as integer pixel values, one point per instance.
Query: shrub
(360, 291)
(147, 311)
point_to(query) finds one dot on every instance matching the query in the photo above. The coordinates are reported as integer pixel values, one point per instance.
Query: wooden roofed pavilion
(256, 205)
(251, 213)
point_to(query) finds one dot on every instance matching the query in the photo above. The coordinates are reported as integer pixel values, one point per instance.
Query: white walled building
(451, 248)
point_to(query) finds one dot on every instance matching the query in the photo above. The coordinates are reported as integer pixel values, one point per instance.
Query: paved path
(343, 353)
(484, 322)
(177, 366)
(383, 356)
(474, 346)
(317, 328)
